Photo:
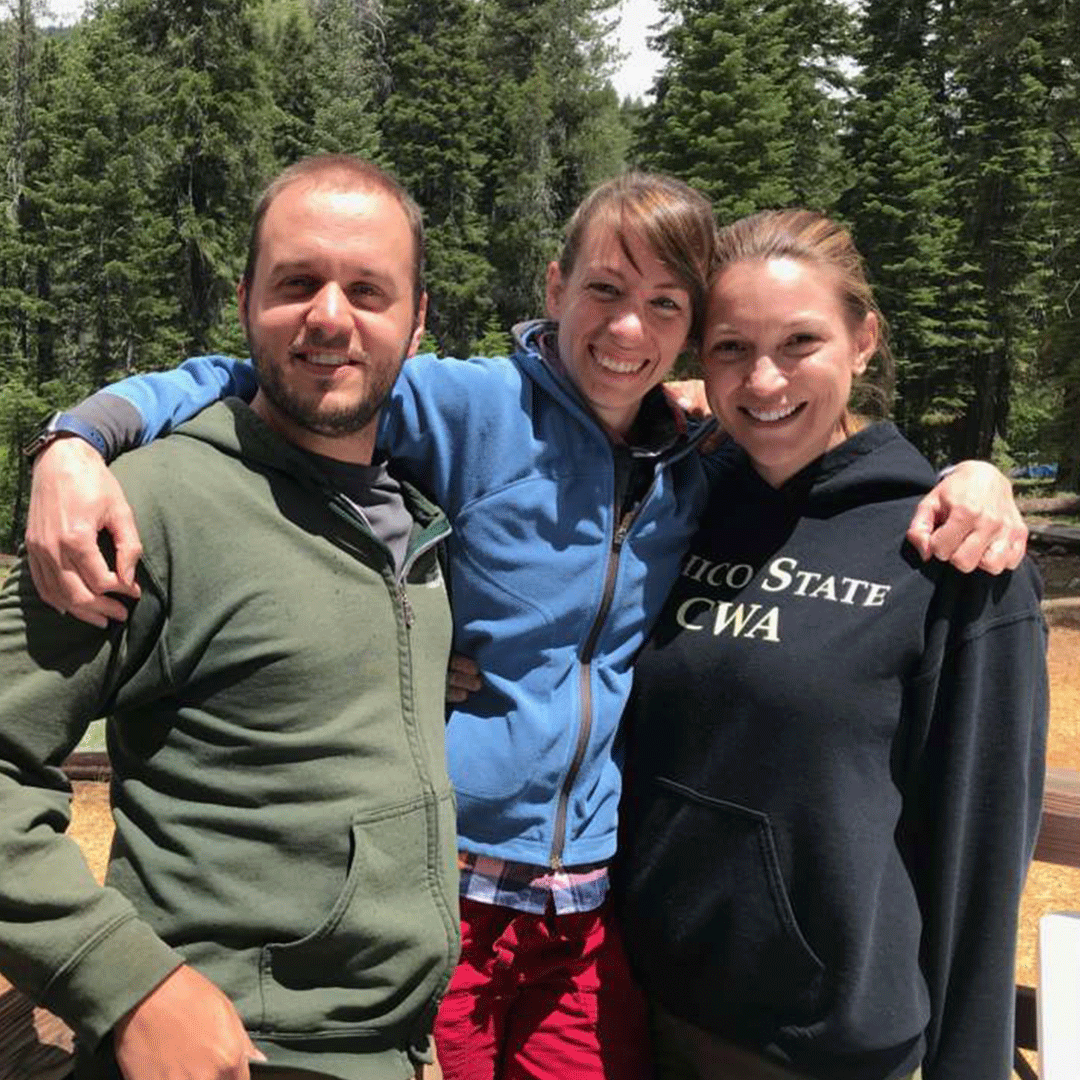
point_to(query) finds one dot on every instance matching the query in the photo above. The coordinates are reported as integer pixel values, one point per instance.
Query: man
(282, 883)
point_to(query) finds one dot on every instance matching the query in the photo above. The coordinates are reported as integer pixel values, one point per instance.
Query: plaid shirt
(523, 887)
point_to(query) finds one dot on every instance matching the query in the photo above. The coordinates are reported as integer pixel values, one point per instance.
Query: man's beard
(309, 412)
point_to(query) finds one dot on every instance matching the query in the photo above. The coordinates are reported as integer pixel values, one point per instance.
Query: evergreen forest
(946, 133)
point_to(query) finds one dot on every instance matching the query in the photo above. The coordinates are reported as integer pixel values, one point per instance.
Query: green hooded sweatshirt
(284, 822)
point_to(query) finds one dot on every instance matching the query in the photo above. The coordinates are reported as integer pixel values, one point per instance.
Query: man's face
(329, 314)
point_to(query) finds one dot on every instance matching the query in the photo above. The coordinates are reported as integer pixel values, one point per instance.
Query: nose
(765, 376)
(330, 312)
(627, 324)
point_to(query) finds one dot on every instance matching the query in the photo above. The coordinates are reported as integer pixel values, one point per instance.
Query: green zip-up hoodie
(284, 822)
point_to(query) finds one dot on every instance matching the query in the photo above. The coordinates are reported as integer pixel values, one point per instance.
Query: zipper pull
(406, 607)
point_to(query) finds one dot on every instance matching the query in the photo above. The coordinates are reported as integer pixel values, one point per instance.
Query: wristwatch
(60, 424)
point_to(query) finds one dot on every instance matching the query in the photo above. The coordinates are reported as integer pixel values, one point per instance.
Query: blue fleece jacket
(552, 596)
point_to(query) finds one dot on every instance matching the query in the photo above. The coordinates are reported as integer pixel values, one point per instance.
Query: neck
(617, 422)
(356, 447)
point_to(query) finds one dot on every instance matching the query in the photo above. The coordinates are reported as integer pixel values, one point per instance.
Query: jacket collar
(660, 427)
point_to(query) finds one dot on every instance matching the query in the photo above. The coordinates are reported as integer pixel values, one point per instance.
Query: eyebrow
(312, 267)
(803, 318)
(614, 271)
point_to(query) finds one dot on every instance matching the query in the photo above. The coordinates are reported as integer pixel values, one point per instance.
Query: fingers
(73, 497)
(968, 539)
(45, 573)
(1006, 552)
(128, 553)
(99, 611)
(971, 520)
(689, 395)
(65, 591)
(962, 539)
(120, 523)
(922, 525)
(184, 1029)
(253, 1052)
(462, 678)
(83, 561)
(65, 588)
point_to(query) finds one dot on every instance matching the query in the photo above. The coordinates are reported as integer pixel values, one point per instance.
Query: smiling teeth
(620, 367)
(771, 414)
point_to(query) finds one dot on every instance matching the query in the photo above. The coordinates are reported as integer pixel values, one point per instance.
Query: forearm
(141, 408)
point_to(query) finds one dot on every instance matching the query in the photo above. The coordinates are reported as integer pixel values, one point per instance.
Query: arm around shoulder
(73, 497)
(971, 520)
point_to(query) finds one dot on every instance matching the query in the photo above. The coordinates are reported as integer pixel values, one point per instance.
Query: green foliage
(432, 132)
(900, 204)
(1002, 152)
(1058, 371)
(721, 117)
(493, 342)
(135, 143)
(324, 76)
(554, 132)
(747, 106)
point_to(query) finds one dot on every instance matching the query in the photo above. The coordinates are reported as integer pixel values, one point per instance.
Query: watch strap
(64, 424)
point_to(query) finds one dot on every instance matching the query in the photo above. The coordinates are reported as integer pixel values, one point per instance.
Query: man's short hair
(346, 173)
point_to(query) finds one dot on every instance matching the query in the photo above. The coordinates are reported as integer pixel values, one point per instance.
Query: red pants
(541, 997)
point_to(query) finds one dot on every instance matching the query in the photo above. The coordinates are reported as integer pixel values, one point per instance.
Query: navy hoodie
(835, 778)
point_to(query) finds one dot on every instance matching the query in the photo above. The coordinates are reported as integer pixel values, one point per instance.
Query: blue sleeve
(139, 409)
(444, 421)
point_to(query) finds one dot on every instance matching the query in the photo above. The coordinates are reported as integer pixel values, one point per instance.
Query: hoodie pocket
(709, 917)
(387, 945)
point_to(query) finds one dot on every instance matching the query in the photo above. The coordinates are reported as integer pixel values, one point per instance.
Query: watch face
(42, 439)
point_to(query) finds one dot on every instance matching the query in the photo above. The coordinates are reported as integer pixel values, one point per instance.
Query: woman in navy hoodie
(836, 751)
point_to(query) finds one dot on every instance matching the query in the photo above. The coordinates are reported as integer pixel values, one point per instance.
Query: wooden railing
(1058, 843)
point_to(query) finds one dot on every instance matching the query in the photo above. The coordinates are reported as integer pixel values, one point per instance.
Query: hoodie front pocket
(387, 944)
(709, 918)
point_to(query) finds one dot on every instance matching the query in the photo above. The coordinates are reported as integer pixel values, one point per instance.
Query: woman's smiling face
(623, 320)
(779, 357)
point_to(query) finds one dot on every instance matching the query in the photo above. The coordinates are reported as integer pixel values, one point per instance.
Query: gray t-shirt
(376, 496)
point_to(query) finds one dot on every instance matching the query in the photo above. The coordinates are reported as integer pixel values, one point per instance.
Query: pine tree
(557, 131)
(432, 131)
(113, 249)
(215, 117)
(348, 75)
(325, 74)
(1060, 368)
(819, 38)
(1003, 155)
(721, 119)
(901, 204)
(901, 207)
(27, 330)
